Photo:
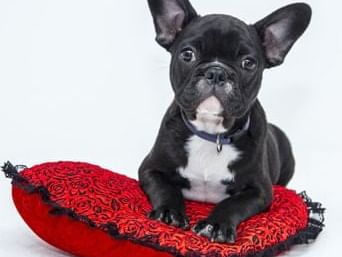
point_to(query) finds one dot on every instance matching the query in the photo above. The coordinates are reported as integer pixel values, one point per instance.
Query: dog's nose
(216, 76)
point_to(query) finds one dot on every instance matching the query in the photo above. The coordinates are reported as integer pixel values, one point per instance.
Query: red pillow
(92, 212)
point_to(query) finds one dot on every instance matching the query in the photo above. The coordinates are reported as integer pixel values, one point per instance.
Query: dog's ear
(170, 17)
(280, 30)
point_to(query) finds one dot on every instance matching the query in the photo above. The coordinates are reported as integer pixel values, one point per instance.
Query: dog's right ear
(170, 17)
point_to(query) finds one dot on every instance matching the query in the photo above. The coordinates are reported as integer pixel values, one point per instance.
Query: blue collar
(220, 138)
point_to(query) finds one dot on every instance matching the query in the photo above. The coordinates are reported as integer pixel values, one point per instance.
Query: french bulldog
(215, 144)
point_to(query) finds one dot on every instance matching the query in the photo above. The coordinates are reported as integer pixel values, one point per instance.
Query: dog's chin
(208, 116)
(210, 107)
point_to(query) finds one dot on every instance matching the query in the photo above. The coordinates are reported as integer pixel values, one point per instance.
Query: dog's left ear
(170, 17)
(281, 29)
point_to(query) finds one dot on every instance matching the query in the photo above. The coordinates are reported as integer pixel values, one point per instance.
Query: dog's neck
(209, 123)
(218, 125)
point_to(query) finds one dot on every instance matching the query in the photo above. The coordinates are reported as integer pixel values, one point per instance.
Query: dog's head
(218, 60)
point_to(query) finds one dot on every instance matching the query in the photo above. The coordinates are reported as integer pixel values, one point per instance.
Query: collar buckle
(218, 143)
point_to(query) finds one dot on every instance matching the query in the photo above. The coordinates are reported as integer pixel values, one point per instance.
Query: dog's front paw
(215, 231)
(170, 216)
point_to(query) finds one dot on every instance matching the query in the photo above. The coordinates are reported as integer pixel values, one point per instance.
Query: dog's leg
(221, 224)
(166, 199)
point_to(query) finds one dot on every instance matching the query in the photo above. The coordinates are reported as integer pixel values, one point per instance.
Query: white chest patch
(206, 169)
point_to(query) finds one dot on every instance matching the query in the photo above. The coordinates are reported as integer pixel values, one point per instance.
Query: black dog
(215, 144)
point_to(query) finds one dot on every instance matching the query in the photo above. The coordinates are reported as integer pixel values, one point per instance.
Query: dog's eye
(248, 64)
(188, 55)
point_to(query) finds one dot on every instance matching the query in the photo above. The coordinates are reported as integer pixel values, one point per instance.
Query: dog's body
(216, 72)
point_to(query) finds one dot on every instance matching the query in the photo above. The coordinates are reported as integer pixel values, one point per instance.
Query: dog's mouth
(210, 107)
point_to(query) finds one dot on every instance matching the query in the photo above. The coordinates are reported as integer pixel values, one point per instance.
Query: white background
(84, 80)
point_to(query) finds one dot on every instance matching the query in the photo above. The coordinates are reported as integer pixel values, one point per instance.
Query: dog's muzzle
(217, 77)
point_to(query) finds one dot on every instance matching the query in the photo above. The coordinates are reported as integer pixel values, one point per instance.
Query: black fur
(224, 41)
